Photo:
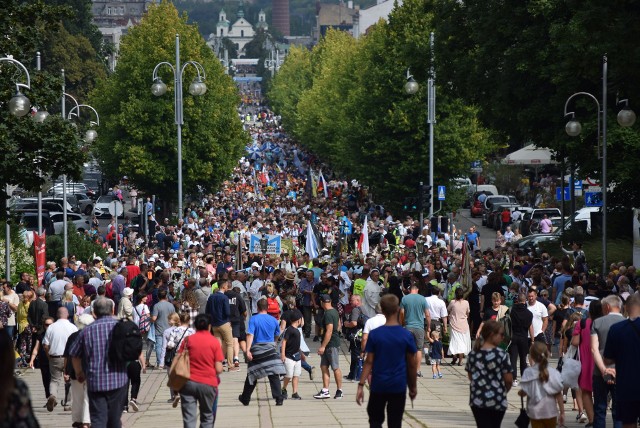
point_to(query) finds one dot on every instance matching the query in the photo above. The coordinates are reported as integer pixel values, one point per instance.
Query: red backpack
(274, 308)
(109, 290)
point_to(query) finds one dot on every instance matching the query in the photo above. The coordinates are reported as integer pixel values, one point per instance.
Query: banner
(40, 256)
(274, 244)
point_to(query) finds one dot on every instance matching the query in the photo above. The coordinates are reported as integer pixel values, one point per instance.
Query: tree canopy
(138, 132)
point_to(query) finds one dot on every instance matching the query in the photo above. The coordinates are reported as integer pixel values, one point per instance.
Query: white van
(489, 188)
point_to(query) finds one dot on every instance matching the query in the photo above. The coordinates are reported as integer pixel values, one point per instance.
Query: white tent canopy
(530, 155)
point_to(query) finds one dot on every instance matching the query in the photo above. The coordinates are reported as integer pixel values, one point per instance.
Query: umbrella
(268, 146)
(276, 150)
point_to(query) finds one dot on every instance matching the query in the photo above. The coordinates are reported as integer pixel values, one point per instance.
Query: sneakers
(176, 401)
(236, 362)
(435, 376)
(564, 398)
(324, 393)
(284, 394)
(234, 368)
(279, 402)
(316, 339)
(516, 382)
(338, 395)
(133, 405)
(349, 379)
(295, 396)
(51, 403)
(67, 408)
(311, 373)
(419, 374)
(439, 375)
(583, 418)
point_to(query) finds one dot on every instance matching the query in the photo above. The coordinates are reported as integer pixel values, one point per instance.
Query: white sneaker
(324, 393)
(516, 382)
(133, 405)
(583, 418)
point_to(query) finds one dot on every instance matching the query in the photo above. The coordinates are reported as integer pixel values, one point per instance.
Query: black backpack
(126, 342)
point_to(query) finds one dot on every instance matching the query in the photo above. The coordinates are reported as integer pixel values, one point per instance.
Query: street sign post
(441, 193)
(560, 194)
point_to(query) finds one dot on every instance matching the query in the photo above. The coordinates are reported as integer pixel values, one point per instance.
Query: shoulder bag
(180, 371)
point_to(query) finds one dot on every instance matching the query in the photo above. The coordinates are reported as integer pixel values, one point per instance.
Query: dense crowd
(198, 275)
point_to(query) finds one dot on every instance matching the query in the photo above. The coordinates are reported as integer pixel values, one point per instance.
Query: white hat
(255, 265)
(78, 263)
(128, 291)
(110, 250)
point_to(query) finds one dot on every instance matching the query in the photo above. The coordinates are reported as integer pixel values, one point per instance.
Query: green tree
(33, 151)
(138, 138)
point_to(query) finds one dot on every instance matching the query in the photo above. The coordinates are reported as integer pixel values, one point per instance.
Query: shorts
(235, 330)
(293, 368)
(434, 362)
(330, 358)
(418, 336)
(627, 412)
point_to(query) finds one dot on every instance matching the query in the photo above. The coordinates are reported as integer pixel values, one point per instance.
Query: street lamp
(626, 118)
(196, 88)
(19, 105)
(411, 87)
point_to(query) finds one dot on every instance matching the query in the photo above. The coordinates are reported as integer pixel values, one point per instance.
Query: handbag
(523, 417)
(171, 352)
(180, 371)
(571, 368)
(144, 323)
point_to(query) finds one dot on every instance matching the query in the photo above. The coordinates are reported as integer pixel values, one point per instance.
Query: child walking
(542, 385)
(291, 357)
(435, 353)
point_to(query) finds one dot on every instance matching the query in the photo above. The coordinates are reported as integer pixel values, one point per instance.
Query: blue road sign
(441, 192)
(559, 194)
(577, 184)
(593, 199)
(476, 164)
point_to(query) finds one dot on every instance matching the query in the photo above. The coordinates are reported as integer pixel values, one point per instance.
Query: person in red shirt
(132, 270)
(505, 218)
(205, 359)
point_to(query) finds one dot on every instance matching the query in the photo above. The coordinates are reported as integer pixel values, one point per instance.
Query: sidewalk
(441, 403)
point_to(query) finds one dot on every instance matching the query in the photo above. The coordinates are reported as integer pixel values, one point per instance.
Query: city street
(441, 403)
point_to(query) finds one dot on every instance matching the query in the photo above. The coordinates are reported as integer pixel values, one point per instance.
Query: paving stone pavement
(441, 403)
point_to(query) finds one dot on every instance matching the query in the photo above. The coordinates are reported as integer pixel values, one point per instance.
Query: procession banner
(40, 256)
(274, 244)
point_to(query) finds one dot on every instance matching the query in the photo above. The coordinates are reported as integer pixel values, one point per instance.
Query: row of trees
(504, 71)
(138, 132)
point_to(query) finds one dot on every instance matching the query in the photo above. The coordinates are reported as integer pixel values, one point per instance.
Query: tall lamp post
(19, 106)
(411, 87)
(264, 242)
(197, 87)
(626, 118)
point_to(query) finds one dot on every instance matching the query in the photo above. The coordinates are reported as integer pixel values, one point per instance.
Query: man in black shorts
(237, 314)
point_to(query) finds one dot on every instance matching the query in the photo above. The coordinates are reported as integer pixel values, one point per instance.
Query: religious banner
(40, 256)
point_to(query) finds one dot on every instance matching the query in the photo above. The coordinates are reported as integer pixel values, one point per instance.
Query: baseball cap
(325, 298)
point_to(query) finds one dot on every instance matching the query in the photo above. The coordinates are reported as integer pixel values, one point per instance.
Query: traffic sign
(476, 170)
(476, 164)
(115, 208)
(593, 199)
(595, 189)
(441, 192)
(577, 184)
(559, 194)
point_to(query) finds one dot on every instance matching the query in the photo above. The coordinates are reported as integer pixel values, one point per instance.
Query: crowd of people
(421, 291)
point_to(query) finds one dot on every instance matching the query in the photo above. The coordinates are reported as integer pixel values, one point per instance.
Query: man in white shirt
(255, 290)
(343, 280)
(412, 265)
(371, 294)
(56, 289)
(438, 310)
(55, 340)
(12, 298)
(372, 323)
(540, 316)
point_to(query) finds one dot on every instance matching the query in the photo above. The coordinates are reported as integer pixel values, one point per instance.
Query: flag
(322, 185)
(363, 242)
(314, 185)
(265, 175)
(311, 246)
(466, 267)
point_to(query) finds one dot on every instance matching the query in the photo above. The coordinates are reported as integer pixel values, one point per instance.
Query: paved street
(440, 403)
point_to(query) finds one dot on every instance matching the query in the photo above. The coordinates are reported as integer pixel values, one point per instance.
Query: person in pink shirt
(545, 225)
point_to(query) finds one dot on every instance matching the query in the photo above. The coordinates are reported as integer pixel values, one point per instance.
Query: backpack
(362, 319)
(109, 290)
(274, 308)
(144, 324)
(126, 342)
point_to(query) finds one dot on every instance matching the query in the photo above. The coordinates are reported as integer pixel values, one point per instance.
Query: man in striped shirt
(106, 381)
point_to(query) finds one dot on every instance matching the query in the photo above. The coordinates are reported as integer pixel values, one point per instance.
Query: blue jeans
(600, 392)
(159, 350)
(106, 408)
(10, 329)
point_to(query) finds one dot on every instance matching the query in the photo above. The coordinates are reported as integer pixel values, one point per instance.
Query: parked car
(23, 204)
(79, 221)
(84, 203)
(488, 203)
(28, 219)
(536, 241)
(101, 208)
(71, 188)
(531, 220)
(494, 218)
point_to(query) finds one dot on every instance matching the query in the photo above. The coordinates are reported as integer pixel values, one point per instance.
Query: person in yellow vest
(359, 283)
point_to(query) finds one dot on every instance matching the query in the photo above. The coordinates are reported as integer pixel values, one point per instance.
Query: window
(108, 11)
(221, 32)
(241, 33)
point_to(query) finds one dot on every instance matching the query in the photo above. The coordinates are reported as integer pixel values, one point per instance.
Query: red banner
(39, 244)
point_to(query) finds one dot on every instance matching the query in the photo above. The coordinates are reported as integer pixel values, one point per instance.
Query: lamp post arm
(71, 112)
(199, 69)
(155, 70)
(599, 113)
(24, 69)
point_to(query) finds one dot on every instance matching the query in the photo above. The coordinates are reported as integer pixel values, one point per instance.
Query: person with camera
(354, 323)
